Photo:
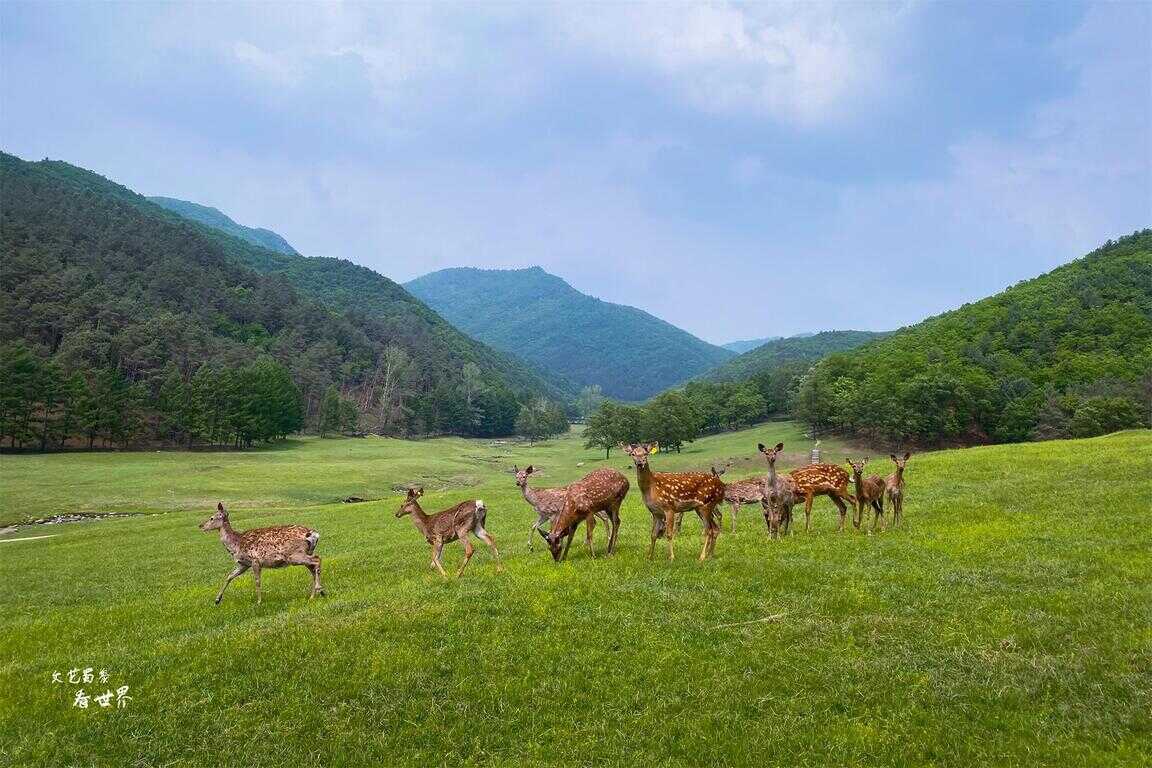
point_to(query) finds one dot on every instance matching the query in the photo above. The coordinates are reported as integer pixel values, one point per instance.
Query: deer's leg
(657, 532)
(532, 531)
(613, 527)
(735, 510)
(807, 512)
(317, 586)
(589, 526)
(468, 550)
(840, 505)
(256, 578)
(670, 532)
(486, 537)
(239, 569)
(437, 552)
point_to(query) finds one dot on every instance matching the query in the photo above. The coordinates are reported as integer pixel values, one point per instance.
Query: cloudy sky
(740, 170)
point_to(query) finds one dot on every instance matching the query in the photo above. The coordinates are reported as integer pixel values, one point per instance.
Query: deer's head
(640, 452)
(217, 521)
(857, 467)
(901, 462)
(411, 504)
(522, 475)
(771, 453)
(553, 539)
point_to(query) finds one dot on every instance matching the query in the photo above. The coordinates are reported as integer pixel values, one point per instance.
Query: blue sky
(739, 170)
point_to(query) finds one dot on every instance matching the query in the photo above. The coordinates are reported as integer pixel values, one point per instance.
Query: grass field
(1009, 622)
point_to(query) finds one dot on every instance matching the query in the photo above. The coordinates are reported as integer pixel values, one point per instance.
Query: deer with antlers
(667, 493)
(457, 522)
(598, 493)
(869, 492)
(747, 491)
(273, 547)
(894, 485)
(549, 503)
(778, 496)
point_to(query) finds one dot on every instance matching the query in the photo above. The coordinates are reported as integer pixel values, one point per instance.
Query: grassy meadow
(1008, 622)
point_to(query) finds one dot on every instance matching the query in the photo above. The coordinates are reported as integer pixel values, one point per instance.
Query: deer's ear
(515, 469)
(654, 448)
(530, 469)
(760, 447)
(419, 490)
(219, 506)
(623, 447)
(779, 446)
(907, 455)
(893, 457)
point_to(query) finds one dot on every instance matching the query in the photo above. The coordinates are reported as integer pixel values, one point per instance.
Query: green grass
(1009, 622)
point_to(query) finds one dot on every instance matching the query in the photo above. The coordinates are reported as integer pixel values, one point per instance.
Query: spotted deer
(828, 480)
(894, 485)
(273, 547)
(549, 503)
(598, 493)
(779, 494)
(869, 492)
(448, 525)
(747, 491)
(667, 493)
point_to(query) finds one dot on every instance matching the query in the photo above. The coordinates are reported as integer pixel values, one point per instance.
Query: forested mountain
(744, 345)
(1065, 354)
(529, 312)
(212, 217)
(794, 349)
(107, 290)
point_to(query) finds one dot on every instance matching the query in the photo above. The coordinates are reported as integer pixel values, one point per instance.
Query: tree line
(44, 407)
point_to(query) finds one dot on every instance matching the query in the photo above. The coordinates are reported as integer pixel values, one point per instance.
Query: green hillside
(993, 628)
(794, 349)
(212, 217)
(97, 279)
(1067, 354)
(529, 312)
(746, 345)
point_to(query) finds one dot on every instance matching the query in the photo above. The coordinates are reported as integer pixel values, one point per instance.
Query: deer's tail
(481, 513)
(312, 537)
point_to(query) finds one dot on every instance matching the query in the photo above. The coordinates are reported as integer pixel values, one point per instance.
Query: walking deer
(549, 503)
(894, 484)
(597, 493)
(450, 524)
(815, 480)
(779, 494)
(869, 491)
(747, 491)
(273, 547)
(666, 493)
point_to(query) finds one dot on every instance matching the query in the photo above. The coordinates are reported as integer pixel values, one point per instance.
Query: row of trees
(44, 407)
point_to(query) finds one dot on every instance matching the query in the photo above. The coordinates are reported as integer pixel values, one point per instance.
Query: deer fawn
(597, 493)
(549, 503)
(748, 491)
(450, 524)
(869, 491)
(779, 494)
(894, 484)
(273, 547)
(666, 493)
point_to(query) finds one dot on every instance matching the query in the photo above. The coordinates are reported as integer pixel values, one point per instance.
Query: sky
(738, 170)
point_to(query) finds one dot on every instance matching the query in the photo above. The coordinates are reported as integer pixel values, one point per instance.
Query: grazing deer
(894, 484)
(597, 493)
(666, 493)
(548, 503)
(869, 491)
(273, 547)
(748, 491)
(779, 494)
(450, 524)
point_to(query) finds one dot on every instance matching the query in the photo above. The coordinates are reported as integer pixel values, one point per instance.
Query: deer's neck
(531, 496)
(858, 478)
(645, 479)
(772, 473)
(420, 520)
(229, 537)
(900, 475)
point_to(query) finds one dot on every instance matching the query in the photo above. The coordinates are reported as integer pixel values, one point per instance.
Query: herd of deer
(597, 496)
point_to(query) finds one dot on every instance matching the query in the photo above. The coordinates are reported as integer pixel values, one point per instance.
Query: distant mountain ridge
(217, 219)
(529, 312)
(808, 347)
